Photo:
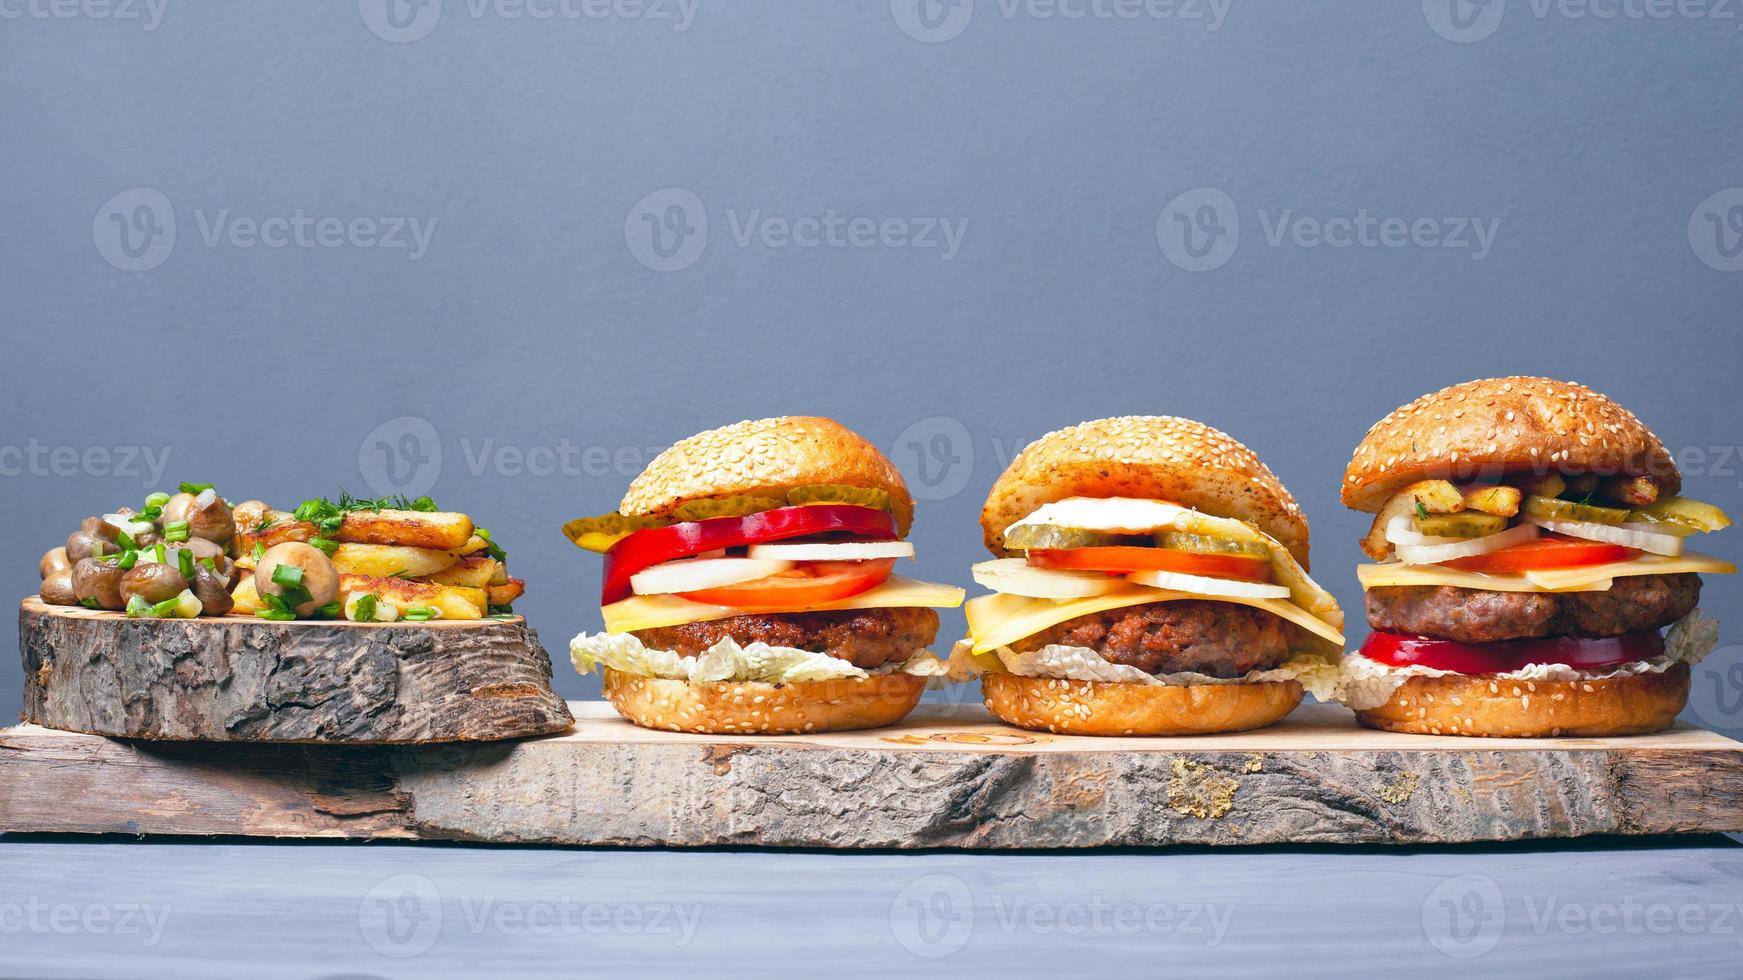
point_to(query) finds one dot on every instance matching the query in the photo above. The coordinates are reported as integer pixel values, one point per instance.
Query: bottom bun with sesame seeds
(1068, 707)
(761, 708)
(1479, 705)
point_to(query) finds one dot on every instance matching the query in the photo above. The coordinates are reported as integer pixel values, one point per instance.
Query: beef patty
(1634, 602)
(1220, 639)
(866, 638)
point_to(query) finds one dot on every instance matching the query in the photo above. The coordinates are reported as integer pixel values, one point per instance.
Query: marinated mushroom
(205, 513)
(201, 547)
(98, 581)
(54, 561)
(177, 508)
(84, 544)
(101, 528)
(212, 587)
(319, 579)
(249, 513)
(57, 589)
(152, 582)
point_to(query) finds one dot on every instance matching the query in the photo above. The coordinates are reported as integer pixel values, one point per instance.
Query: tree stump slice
(244, 679)
(947, 777)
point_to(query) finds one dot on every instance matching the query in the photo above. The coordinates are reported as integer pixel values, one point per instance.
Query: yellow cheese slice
(999, 620)
(646, 612)
(1591, 578)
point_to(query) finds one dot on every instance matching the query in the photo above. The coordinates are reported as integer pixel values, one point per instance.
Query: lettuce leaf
(727, 661)
(1316, 671)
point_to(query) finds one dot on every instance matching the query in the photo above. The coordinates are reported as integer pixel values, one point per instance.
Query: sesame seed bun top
(1153, 457)
(1488, 428)
(766, 456)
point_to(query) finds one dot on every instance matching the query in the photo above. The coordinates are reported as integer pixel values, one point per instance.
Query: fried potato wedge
(1630, 491)
(473, 546)
(1431, 496)
(442, 531)
(271, 528)
(455, 602)
(245, 597)
(384, 560)
(1546, 485)
(1500, 501)
(477, 571)
(507, 592)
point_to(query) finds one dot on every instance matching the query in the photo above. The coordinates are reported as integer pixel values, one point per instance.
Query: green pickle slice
(836, 493)
(1465, 524)
(1206, 544)
(600, 533)
(1552, 509)
(1683, 512)
(739, 506)
(1027, 537)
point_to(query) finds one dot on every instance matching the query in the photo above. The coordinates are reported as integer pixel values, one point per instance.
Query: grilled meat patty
(866, 638)
(1220, 639)
(1634, 602)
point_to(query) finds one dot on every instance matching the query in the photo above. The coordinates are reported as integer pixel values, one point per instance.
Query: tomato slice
(1549, 551)
(1400, 650)
(805, 584)
(1120, 559)
(657, 545)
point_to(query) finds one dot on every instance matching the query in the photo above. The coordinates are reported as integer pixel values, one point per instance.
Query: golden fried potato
(477, 571)
(1547, 485)
(455, 602)
(274, 527)
(1629, 491)
(473, 546)
(246, 598)
(1501, 501)
(442, 531)
(507, 592)
(1425, 496)
(391, 560)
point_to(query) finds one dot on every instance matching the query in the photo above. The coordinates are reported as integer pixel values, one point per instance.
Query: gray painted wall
(544, 342)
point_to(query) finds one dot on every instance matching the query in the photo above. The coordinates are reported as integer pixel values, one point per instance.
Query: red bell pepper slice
(655, 545)
(1580, 653)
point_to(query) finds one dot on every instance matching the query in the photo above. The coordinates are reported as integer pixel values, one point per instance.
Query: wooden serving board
(245, 679)
(948, 777)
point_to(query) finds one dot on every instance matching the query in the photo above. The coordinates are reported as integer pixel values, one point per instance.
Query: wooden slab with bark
(949, 777)
(244, 679)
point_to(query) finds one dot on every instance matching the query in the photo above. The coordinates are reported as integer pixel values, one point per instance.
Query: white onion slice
(1653, 542)
(1204, 585)
(832, 550)
(690, 574)
(205, 498)
(1434, 554)
(1014, 576)
(1402, 531)
(127, 522)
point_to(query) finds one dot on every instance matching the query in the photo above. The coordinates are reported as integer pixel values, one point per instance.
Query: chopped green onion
(210, 563)
(138, 607)
(418, 614)
(329, 611)
(125, 540)
(175, 531)
(157, 552)
(90, 603)
(166, 608)
(326, 545)
(195, 487)
(259, 549)
(423, 505)
(278, 615)
(501, 612)
(156, 501)
(128, 559)
(185, 563)
(363, 611)
(288, 577)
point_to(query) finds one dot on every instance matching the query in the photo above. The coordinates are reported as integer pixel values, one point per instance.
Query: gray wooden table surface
(82, 907)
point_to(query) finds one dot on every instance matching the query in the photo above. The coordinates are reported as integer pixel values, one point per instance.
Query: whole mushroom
(206, 514)
(320, 579)
(82, 544)
(212, 587)
(57, 589)
(201, 547)
(54, 560)
(151, 581)
(98, 581)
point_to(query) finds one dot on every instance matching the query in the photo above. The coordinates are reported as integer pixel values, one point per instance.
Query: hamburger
(1149, 578)
(1529, 544)
(748, 586)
